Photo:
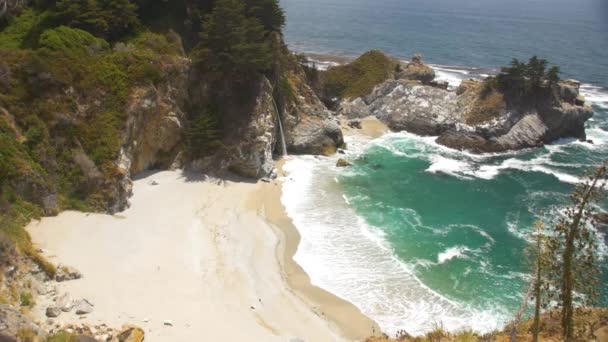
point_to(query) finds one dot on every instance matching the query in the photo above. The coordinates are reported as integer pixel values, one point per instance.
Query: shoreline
(207, 254)
(352, 323)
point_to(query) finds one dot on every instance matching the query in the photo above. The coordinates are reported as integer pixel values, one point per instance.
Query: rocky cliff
(474, 117)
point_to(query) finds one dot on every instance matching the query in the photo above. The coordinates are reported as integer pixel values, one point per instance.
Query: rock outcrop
(310, 128)
(156, 117)
(252, 156)
(431, 111)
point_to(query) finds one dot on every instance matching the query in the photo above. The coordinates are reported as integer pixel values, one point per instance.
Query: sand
(213, 256)
(371, 127)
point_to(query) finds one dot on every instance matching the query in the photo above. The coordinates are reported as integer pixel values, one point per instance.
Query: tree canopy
(232, 42)
(110, 19)
(527, 78)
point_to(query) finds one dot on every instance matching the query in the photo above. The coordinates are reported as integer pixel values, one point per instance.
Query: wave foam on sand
(350, 258)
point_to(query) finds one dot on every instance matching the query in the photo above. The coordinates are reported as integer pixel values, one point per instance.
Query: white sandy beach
(202, 254)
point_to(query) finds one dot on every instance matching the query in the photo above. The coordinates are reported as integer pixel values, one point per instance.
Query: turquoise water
(414, 233)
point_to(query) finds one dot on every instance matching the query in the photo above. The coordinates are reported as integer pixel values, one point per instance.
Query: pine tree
(233, 43)
(203, 135)
(110, 19)
(269, 12)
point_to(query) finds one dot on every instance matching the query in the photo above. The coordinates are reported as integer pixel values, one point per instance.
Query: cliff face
(473, 117)
(310, 127)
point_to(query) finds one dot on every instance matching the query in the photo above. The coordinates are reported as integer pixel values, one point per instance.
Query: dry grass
(586, 322)
(486, 107)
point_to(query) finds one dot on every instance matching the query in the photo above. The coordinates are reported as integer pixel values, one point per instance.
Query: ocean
(417, 235)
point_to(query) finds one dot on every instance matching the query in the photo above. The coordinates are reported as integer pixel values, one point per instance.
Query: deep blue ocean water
(416, 234)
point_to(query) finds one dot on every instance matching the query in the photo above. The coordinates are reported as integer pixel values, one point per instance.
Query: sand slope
(193, 251)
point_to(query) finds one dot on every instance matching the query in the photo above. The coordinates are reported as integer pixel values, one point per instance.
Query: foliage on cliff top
(64, 92)
(359, 77)
(525, 84)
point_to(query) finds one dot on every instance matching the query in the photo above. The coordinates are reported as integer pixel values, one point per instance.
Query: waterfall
(283, 145)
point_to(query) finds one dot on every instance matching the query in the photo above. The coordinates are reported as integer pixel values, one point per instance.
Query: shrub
(23, 31)
(359, 77)
(26, 299)
(110, 19)
(101, 136)
(71, 42)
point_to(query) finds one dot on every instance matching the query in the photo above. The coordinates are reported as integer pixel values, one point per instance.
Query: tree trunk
(520, 313)
(537, 293)
(567, 322)
(567, 281)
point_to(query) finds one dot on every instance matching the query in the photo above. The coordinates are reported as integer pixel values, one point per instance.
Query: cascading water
(283, 145)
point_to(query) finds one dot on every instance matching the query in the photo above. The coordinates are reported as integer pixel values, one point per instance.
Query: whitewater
(350, 248)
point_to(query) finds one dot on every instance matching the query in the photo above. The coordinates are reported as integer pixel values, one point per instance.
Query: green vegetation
(26, 299)
(110, 19)
(46, 73)
(23, 31)
(204, 134)
(67, 70)
(61, 336)
(359, 77)
(232, 42)
(526, 81)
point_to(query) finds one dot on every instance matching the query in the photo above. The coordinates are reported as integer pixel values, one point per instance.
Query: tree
(269, 12)
(553, 74)
(540, 270)
(527, 80)
(233, 43)
(110, 19)
(574, 251)
(203, 134)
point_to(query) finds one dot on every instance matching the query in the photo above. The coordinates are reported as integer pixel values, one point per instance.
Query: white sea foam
(595, 95)
(452, 253)
(464, 165)
(350, 258)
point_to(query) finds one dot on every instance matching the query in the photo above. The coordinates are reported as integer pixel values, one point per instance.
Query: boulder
(83, 307)
(12, 320)
(53, 311)
(313, 135)
(66, 273)
(65, 303)
(355, 124)
(343, 163)
(416, 70)
(131, 334)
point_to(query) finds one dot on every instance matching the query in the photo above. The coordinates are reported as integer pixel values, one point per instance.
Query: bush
(23, 31)
(110, 19)
(26, 299)
(359, 77)
(71, 42)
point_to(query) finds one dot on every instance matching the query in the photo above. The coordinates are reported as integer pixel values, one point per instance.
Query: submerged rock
(343, 163)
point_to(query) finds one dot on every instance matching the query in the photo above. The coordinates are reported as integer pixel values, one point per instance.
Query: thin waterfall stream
(283, 145)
